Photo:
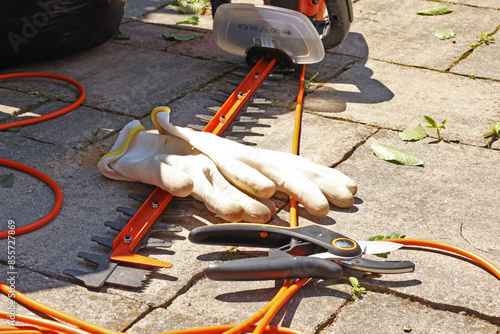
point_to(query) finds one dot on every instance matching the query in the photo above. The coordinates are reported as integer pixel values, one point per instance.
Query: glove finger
(246, 178)
(314, 171)
(256, 210)
(332, 175)
(295, 184)
(218, 149)
(339, 195)
(220, 196)
(338, 188)
(170, 179)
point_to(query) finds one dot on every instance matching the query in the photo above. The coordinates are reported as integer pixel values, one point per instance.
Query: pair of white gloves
(233, 180)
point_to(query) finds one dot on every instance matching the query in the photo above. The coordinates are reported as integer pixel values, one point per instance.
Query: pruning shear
(310, 251)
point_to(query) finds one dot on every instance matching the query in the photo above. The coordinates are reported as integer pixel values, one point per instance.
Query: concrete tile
(27, 201)
(453, 190)
(411, 40)
(171, 17)
(480, 63)
(106, 310)
(377, 313)
(324, 141)
(118, 82)
(397, 97)
(27, 151)
(73, 129)
(146, 36)
(330, 67)
(135, 8)
(215, 303)
(205, 48)
(12, 103)
(481, 3)
(38, 91)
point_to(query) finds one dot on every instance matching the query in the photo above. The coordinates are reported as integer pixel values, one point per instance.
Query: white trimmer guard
(238, 27)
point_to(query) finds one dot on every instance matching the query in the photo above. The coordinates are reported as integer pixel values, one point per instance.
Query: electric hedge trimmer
(271, 39)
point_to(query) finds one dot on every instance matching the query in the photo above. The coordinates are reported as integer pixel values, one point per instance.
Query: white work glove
(173, 165)
(261, 172)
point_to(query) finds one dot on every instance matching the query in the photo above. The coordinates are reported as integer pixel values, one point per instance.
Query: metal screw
(241, 95)
(127, 240)
(257, 75)
(222, 118)
(155, 204)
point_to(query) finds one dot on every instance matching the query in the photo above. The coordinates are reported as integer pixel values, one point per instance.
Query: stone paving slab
(397, 97)
(136, 9)
(375, 313)
(214, 303)
(395, 33)
(327, 150)
(173, 17)
(71, 130)
(18, 148)
(147, 36)
(15, 102)
(365, 98)
(41, 90)
(430, 202)
(478, 63)
(481, 3)
(114, 82)
(73, 299)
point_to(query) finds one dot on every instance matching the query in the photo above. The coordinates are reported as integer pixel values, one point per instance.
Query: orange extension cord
(50, 215)
(27, 169)
(265, 315)
(53, 114)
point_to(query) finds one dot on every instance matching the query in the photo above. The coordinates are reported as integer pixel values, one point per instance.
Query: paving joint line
(50, 275)
(197, 89)
(342, 119)
(351, 152)
(136, 18)
(460, 310)
(462, 4)
(432, 69)
(466, 54)
(334, 317)
(447, 71)
(195, 279)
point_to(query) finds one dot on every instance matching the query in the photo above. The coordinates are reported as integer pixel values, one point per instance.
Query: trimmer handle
(341, 16)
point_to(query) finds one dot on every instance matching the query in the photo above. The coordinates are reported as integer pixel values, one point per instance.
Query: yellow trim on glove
(155, 122)
(131, 135)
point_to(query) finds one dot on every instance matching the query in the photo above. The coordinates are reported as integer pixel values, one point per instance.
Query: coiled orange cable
(265, 315)
(53, 114)
(453, 249)
(51, 183)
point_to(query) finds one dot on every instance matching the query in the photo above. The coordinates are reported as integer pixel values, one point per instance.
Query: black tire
(38, 29)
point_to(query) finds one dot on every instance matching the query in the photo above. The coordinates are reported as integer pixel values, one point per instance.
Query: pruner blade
(378, 247)
(367, 247)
